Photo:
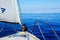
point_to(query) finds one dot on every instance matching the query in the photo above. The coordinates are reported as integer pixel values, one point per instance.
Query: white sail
(9, 11)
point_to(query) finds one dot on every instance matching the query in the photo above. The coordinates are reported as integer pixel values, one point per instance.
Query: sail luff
(18, 11)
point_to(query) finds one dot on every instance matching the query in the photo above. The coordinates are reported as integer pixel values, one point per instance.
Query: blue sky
(40, 6)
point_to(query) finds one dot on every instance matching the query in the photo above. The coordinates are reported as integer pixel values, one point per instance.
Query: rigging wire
(55, 33)
(41, 31)
(36, 22)
(33, 27)
(2, 28)
(5, 26)
(52, 30)
(20, 13)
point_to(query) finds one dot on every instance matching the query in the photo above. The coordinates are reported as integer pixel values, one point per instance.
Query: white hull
(17, 36)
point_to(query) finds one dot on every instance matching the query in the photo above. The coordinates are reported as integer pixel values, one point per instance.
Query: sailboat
(9, 12)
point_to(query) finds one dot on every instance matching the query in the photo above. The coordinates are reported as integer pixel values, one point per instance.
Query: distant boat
(9, 13)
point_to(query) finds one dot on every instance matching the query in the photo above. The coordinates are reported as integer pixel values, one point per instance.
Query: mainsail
(9, 11)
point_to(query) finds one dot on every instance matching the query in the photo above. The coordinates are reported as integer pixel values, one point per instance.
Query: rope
(33, 27)
(2, 29)
(4, 26)
(55, 33)
(52, 30)
(41, 31)
(21, 16)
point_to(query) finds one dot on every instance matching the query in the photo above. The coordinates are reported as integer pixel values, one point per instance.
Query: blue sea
(45, 26)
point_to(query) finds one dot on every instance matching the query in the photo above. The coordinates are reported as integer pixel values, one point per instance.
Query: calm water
(48, 23)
